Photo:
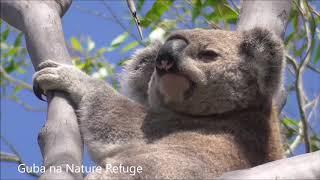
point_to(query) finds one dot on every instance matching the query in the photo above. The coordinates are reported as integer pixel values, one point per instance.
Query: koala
(196, 106)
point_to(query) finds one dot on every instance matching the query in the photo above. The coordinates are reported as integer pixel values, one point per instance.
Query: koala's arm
(264, 52)
(105, 116)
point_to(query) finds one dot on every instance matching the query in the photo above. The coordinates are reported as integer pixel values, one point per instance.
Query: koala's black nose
(169, 54)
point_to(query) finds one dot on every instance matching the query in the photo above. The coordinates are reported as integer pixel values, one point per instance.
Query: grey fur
(225, 122)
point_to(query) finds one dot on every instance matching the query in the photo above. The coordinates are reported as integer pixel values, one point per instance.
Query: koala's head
(204, 72)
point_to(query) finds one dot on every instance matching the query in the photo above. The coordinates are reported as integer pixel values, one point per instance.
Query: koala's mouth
(175, 87)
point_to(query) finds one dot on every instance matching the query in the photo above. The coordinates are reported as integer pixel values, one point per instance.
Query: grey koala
(195, 107)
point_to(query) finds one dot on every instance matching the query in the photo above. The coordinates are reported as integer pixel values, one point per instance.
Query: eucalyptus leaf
(76, 45)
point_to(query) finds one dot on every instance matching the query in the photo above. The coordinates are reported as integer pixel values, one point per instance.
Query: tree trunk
(60, 139)
(270, 14)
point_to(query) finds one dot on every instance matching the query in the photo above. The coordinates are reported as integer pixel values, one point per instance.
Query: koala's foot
(59, 77)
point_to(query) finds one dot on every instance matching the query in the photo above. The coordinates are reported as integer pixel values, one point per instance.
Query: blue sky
(21, 127)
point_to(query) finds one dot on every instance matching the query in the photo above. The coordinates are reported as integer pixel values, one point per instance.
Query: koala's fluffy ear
(137, 73)
(264, 51)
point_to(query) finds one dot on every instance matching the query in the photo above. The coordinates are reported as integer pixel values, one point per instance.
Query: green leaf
(101, 51)
(17, 42)
(140, 4)
(130, 46)
(289, 38)
(196, 10)
(155, 13)
(229, 14)
(12, 52)
(215, 3)
(5, 34)
(317, 55)
(17, 89)
(222, 12)
(12, 66)
(315, 143)
(290, 123)
(76, 44)
(118, 41)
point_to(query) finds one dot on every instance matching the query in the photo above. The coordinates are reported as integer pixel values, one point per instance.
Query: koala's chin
(173, 87)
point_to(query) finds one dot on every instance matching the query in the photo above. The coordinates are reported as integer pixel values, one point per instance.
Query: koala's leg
(105, 116)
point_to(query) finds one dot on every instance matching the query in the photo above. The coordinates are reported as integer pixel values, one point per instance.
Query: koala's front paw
(60, 77)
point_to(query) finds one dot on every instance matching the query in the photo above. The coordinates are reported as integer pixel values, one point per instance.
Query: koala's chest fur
(243, 135)
(217, 143)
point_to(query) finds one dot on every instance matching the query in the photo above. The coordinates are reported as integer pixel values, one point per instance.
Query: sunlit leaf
(155, 13)
(90, 44)
(76, 45)
(157, 34)
(101, 51)
(12, 52)
(290, 123)
(3, 46)
(130, 46)
(119, 39)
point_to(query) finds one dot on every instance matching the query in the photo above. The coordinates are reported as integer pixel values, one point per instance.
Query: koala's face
(203, 72)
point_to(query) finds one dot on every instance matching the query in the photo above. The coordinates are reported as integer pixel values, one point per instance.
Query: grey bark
(273, 15)
(270, 14)
(60, 139)
(306, 166)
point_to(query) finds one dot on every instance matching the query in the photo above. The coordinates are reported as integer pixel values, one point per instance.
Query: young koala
(201, 105)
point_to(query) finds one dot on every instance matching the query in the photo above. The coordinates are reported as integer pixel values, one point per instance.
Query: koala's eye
(207, 55)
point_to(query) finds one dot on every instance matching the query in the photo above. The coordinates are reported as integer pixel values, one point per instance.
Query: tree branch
(60, 139)
(290, 168)
(15, 157)
(12, 80)
(299, 82)
(122, 25)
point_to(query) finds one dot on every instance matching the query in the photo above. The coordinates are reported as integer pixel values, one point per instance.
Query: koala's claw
(38, 91)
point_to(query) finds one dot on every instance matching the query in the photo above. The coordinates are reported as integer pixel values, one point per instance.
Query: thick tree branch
(60, 139)
(304, 166)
